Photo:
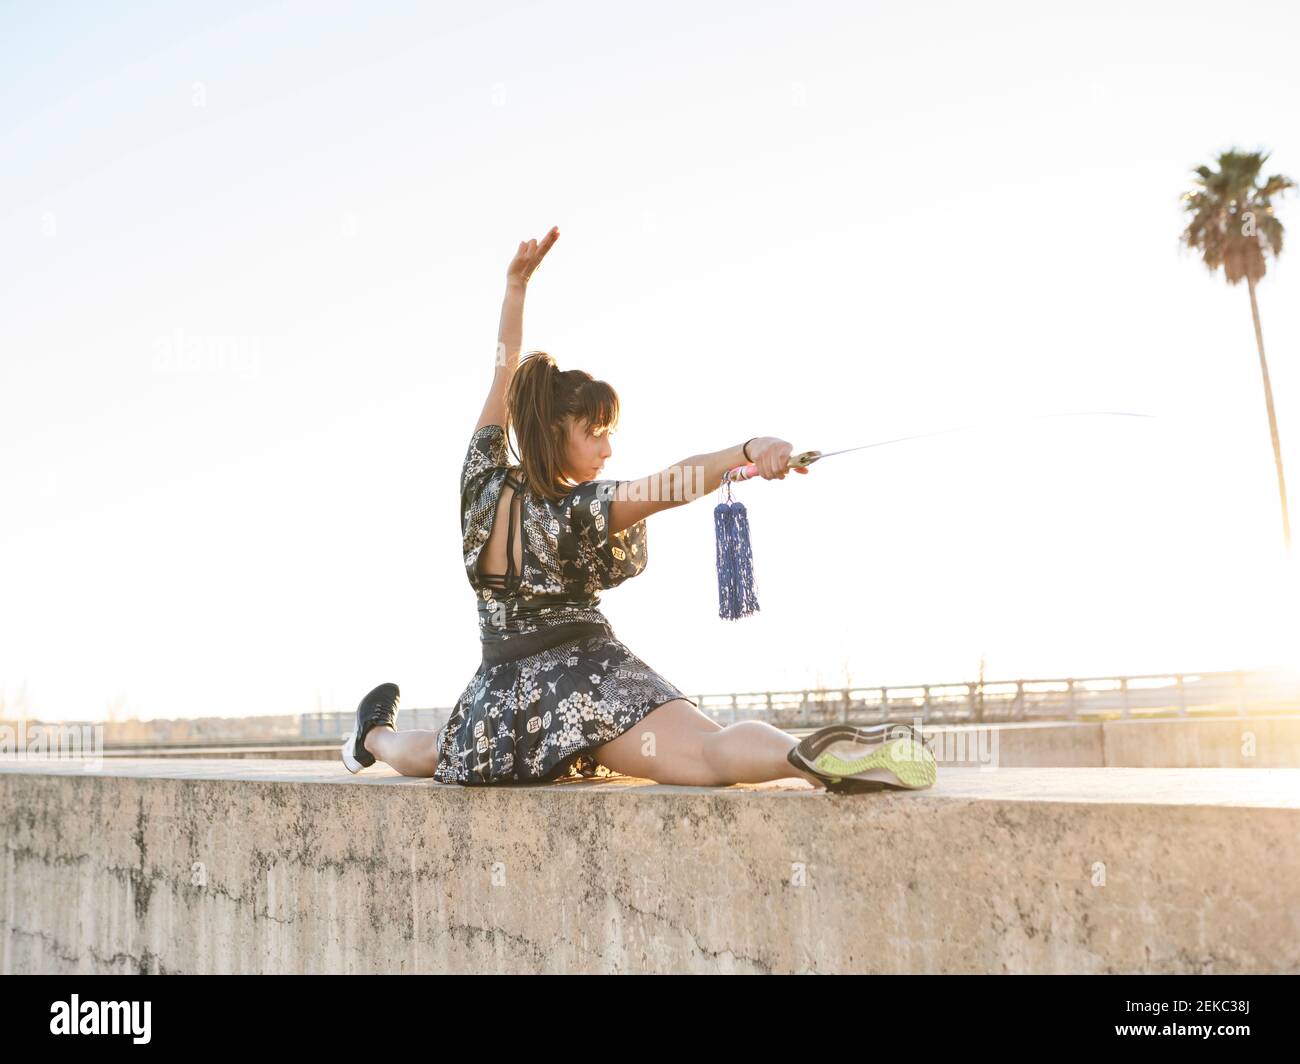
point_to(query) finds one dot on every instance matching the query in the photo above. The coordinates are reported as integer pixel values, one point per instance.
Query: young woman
(557, 694)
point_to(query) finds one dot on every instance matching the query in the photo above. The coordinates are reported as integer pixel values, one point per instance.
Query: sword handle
(744, 472)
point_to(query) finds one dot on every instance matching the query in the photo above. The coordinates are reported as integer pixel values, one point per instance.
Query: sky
(252, 258)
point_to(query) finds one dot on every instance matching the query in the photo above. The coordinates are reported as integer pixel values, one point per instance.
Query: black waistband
(520, 646)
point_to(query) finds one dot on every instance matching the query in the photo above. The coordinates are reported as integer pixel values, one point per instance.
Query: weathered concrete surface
(280, 866)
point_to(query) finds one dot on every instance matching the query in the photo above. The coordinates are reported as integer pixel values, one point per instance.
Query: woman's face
(587, 450)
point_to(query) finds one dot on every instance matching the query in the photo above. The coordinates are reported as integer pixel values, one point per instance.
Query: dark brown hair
(539, 398)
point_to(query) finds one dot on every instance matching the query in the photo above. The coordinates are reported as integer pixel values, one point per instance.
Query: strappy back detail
(509, 580)
(559, 553)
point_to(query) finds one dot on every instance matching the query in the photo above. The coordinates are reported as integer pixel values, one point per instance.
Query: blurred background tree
(1233, 226)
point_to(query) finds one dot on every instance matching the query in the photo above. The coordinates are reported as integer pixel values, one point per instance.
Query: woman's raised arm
(510, 332)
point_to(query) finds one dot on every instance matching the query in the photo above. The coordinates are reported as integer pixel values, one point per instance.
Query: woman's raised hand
(772, 456)
(529, 256)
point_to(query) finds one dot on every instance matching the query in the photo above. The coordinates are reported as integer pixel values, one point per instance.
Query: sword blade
(967, 428)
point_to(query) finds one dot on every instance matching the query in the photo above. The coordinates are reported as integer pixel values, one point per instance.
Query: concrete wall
(1230, 742)
(294, 866)
(1225, 742)
(280, 753)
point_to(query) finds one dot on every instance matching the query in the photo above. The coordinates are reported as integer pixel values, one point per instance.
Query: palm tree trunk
(1272, 417)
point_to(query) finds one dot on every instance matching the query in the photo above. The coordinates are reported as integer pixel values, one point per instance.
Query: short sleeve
(610, 559)
(487, 452)
(484, 465)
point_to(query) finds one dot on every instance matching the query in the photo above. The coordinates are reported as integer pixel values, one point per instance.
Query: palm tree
(1233, 226)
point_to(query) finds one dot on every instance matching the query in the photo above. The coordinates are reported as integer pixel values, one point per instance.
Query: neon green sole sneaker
(851, 761)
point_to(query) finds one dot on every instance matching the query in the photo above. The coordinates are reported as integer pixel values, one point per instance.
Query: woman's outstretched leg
(753, 751)
(413, 752)
(676, 743)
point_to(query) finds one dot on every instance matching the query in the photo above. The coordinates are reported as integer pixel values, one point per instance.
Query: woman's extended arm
(510, 332)
(694, 477)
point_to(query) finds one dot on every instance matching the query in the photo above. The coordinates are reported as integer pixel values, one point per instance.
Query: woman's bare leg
(753, 751)
(413, 752)
(676, 743)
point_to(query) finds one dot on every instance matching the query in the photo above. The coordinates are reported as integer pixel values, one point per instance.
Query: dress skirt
(534, 713)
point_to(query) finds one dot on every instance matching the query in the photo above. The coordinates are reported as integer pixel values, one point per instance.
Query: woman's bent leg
(677, 744)
(413, 752)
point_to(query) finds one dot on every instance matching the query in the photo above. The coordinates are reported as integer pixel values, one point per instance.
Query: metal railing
(1238, 693)
(331, 726)
(1065, 698)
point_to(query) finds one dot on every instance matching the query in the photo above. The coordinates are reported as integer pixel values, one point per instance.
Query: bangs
(598, 406)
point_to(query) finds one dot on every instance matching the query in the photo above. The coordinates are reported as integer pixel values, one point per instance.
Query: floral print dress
(555, 682)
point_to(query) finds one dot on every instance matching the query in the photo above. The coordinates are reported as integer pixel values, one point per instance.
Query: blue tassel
(735, 562)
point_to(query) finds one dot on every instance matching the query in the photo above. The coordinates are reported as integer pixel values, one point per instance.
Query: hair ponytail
(539, 400)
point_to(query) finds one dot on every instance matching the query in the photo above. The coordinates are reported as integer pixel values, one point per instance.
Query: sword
(806, 458)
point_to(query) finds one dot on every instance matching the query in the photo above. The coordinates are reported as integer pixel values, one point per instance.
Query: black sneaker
(378, 707)
(850, 760)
